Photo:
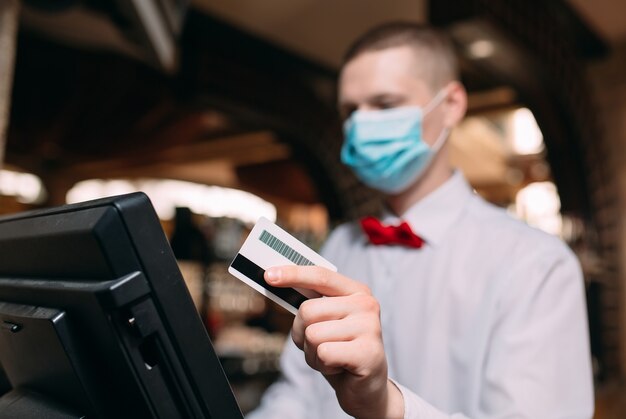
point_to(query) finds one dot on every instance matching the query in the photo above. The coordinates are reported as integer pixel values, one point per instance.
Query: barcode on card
(284, 249)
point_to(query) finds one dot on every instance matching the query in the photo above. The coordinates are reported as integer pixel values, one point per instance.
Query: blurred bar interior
(224, 110)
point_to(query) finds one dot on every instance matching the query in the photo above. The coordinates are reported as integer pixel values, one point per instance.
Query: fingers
(311, 357)
(357, 323)
(361, 357)
(321, 310)
(321, 280)
(337, 331)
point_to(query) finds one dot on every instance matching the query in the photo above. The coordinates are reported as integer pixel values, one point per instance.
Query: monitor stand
(35, 352)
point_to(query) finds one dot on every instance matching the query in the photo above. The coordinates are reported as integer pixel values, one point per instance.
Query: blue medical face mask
(385, 149)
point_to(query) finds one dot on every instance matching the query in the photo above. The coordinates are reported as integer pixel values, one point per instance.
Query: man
(480, 316)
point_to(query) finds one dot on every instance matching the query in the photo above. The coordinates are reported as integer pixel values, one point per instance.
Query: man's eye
(387, 104)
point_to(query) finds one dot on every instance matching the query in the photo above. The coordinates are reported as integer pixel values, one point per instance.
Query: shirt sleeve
(416, 408)
(293, 395)
(537, 364)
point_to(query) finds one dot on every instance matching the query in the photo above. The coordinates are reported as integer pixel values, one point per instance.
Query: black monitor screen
(96, 320)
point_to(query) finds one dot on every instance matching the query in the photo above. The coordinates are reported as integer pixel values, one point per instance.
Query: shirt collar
(432, 216)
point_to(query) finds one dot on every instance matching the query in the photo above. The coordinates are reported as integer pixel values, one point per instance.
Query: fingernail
(272, 275)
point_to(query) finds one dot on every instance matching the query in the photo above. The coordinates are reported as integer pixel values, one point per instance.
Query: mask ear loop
(436, 101)
(441, 140)
(445, 132)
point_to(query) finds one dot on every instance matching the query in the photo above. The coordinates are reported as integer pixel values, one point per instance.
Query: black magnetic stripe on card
(255, 273)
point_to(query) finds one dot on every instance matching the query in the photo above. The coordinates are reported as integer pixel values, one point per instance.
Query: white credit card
(268, 245)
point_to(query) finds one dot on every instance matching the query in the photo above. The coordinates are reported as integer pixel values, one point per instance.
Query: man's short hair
(433, 48)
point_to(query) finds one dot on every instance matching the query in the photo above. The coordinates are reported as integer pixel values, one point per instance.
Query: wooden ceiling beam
(240, 150)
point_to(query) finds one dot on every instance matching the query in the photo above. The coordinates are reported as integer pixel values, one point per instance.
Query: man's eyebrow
(385, 96)
(373, 98)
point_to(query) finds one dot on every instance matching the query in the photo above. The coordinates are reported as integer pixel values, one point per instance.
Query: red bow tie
(379, 233)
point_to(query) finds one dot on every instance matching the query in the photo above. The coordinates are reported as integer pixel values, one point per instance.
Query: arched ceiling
(317, 29)
(321, 29)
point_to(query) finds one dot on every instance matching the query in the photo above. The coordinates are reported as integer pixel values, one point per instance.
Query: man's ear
(455, 103)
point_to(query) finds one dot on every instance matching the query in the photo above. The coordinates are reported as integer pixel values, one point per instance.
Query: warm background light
(25, 187)
(166, 195)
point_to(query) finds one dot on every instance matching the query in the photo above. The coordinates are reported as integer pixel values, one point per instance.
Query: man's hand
(341, 337)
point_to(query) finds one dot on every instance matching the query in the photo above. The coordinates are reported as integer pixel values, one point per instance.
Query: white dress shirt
(487, 320)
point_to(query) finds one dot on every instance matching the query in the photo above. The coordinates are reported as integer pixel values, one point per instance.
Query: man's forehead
(398, 59)
(383, 71)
